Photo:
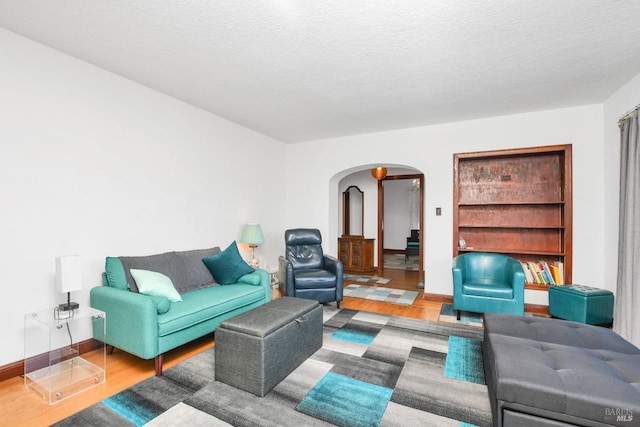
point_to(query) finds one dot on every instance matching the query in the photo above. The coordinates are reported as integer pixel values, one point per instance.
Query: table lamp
(68, 279)
(252, 234)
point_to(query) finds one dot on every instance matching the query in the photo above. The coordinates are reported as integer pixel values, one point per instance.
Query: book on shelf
(547, 272)
(537, 273)
(555, 273)
(543, 273)
(560, 266)
(528, 276)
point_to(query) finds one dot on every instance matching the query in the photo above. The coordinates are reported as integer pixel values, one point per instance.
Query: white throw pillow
(154, 283)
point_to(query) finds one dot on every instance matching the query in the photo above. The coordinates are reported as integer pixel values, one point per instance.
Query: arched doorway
(373, 222)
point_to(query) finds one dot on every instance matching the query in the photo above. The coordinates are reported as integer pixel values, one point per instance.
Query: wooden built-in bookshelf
(517, 202)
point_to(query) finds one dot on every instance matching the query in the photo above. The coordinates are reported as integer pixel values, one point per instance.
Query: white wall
(396, 213)
(430, 150)
(95, 165)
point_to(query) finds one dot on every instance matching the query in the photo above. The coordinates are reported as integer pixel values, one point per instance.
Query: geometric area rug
(374, 280)
(372, 370)
(379, 293)
(448, 314)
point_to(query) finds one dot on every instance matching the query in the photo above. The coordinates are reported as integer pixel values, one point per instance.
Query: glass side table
(273, 280)
(52, 364)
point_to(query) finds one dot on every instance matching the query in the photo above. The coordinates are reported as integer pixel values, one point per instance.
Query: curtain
(627, 307)
(414, 205)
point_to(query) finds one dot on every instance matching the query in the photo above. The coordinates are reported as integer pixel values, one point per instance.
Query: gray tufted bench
(256, 350)
(543, 371)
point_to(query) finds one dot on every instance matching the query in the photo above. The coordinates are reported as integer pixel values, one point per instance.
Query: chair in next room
(413, 245)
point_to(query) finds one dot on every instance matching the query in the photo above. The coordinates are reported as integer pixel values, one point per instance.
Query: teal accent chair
(487, 283)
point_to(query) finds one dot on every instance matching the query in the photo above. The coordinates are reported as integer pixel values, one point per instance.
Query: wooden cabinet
(356, 253)
(517, 202)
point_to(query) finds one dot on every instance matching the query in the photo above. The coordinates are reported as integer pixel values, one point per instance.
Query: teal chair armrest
(457, 284)
(132, 320)
(517, 281)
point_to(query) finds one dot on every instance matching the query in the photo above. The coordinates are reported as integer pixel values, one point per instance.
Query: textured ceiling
(303, 70)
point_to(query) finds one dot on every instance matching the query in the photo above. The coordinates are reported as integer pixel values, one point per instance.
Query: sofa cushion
(227, 266)
(185, 269)
(313, 278)
(204, 304)
(488, 288)
(542, 329)
(304, 248)
(154, 283)
(115, 274)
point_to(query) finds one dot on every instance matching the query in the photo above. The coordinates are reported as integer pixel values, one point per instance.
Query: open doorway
(401, 242)
(350, 237)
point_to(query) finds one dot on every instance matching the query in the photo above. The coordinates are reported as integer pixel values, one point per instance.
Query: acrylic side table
(52, 364)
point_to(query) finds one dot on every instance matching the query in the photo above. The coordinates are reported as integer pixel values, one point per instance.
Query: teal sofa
(149, 325)
(487, 283)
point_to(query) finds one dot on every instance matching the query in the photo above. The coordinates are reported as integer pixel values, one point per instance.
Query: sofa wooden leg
(458, 315)
(159, 365)
(338, 302)
(110, 348)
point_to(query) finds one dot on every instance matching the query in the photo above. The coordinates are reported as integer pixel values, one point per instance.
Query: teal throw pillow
(154, 283)
(227, 266)
(114, 270)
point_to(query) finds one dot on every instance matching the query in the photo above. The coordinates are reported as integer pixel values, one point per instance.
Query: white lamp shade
(252, 234)
(68, 273)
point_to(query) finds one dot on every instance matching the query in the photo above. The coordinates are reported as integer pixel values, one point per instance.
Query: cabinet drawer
(356, 253)
(356, 261)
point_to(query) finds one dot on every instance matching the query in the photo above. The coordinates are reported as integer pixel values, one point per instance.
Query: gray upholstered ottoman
(256, 350)
(552, 372)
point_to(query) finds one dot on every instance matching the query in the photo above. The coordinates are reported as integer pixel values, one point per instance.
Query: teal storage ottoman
(581, 304)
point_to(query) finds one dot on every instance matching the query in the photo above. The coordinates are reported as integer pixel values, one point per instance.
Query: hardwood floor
(20, 406)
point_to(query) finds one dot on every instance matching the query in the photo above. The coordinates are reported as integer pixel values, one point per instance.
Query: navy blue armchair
(487, 283)
(305, 271)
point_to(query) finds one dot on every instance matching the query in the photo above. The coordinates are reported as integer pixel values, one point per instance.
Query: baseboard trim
(393, 251)
(537, 309)
(16, 369)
